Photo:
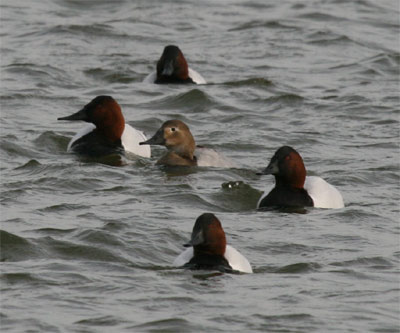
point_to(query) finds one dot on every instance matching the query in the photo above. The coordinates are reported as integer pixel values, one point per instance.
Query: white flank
(130, 141)
(323, 194)
(150, 78)
(207, 157)
(237, 260)
(196, 77)
(184, 257)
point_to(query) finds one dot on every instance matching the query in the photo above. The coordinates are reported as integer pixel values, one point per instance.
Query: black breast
(94, 144)
(287, 197)
(209, 262)
(163, 79)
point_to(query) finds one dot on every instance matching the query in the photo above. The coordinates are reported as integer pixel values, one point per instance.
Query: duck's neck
(185, 151)
(111, 125)
(284, 183)
(172, 158)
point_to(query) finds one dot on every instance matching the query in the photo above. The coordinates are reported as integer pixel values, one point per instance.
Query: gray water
(87, 246)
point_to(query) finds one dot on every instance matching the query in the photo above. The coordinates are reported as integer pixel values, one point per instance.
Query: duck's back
(323, 194)
(130, 141)
(236, 260)
(196, 77)
(207, 157)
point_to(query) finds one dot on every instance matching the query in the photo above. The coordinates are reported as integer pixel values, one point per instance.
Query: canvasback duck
(173, 68)
(107, 134)
(182, 150)
(208, 249)
(293, 188)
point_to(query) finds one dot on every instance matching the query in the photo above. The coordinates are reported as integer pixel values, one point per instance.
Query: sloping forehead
(175, 123)
(172, 51)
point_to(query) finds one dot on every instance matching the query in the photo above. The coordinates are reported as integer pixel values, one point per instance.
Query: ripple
(378, 263)
(170, 324)
(111, 75)
(100, 237)
(16, 248)
(72, 251)
(91, 30)
(44, 72)
(330, 40)
(257, 82)
(294, 316)
(13, 149)
(301, 267)
(195, 100)
(61, 207)
(51, 142)
(24, 278)
(286, 99)
(323, 17)
(29, 166)
(263, 24)
(100, 321)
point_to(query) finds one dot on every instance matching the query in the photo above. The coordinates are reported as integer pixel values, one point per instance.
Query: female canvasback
(182, 150)
(208, 249)
(292, 188)
(108, 133)
(173, 68)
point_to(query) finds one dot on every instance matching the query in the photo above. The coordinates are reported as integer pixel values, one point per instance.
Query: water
(88, 247)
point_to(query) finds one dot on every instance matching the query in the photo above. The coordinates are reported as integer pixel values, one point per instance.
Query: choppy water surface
(88, 247)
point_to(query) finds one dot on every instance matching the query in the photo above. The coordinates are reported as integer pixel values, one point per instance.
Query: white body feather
(323, 194)
(207, 157)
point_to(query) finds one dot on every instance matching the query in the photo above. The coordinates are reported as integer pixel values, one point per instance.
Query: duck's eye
(173, 129)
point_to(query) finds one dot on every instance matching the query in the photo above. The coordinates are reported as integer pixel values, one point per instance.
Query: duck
(175, 135)
(107, 132)
(293, 188)
(173, 68)
(207, 249)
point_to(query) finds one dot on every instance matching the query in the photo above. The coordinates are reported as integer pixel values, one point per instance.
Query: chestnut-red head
(288, 168)
(208, 237)
(172, 67)
(105, 113)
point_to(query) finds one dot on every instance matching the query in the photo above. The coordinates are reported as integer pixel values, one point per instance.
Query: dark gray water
(88, 247)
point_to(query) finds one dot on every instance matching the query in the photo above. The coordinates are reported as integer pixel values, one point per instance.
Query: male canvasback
(208, 249)
(182, 150)
(173, 68)
(107, 133)
(293, 188)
